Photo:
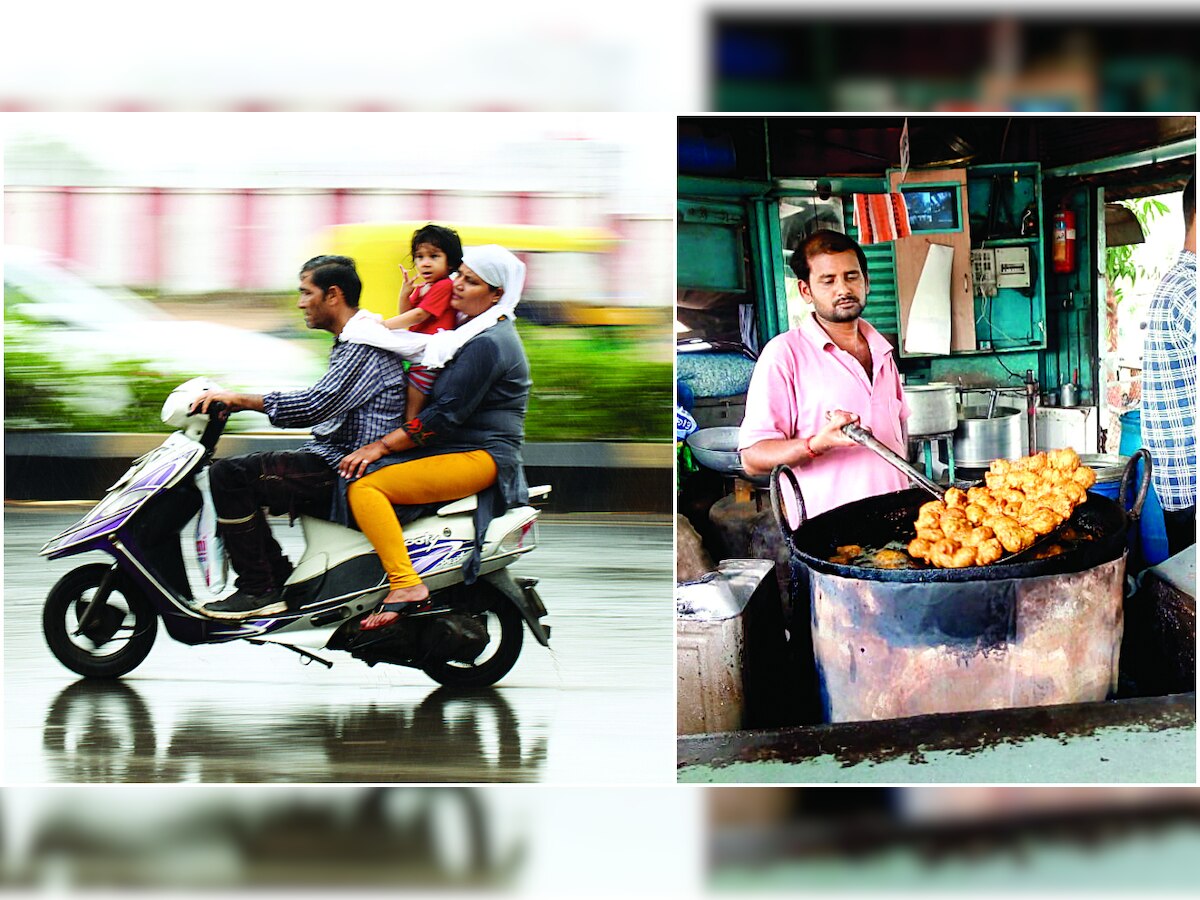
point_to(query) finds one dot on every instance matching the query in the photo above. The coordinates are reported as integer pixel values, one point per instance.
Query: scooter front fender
(521, 592)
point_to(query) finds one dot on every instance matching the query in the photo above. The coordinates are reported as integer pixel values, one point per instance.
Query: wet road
(597, 708)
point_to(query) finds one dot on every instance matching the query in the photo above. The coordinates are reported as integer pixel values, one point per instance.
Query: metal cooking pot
(716, 449)
(902, 642)
(978, 440)
(933, 408)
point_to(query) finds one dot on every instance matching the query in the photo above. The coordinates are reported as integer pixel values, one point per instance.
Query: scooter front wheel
(506, 630)
(115, 638)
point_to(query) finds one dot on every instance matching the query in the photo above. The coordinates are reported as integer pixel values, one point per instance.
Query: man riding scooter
(359, 400)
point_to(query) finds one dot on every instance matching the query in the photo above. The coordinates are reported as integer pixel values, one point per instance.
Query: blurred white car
(82, 325)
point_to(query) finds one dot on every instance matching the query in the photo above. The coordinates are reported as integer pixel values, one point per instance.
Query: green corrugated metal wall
(883, 306)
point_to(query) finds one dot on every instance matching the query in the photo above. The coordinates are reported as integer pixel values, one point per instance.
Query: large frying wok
(902, 642)
(877, 521)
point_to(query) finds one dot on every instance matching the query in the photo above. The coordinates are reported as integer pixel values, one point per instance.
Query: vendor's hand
(831, 436)
(207, 398)
(352, 465)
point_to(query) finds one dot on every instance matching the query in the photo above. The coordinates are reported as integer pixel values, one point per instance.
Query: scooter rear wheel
(115, 642)
(506, 627)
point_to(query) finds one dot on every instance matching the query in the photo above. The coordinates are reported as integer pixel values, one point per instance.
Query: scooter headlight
(521, 539)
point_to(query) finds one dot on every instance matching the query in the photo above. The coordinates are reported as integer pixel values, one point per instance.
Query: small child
(425, 308)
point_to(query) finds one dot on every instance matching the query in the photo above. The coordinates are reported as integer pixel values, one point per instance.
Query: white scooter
(100, 620)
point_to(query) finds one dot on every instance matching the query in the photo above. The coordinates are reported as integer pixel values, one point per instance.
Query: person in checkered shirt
(1169, 386)
(359, 399)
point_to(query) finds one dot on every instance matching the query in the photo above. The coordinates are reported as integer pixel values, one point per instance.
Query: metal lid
(1108, 466)
(722, 594)
(932, 386)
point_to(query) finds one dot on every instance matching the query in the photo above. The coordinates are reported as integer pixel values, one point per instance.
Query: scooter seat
(467, 504)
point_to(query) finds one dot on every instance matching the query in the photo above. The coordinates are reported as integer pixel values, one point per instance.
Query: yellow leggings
(431, 479)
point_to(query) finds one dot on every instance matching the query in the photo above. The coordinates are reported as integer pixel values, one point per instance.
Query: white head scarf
(491, 262)
(499, 268)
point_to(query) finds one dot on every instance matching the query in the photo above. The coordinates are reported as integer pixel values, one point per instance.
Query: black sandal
(400, 608)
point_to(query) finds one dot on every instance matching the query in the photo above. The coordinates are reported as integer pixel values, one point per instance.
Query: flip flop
(401, 608)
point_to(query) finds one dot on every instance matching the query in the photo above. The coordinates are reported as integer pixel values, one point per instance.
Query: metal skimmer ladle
(860, 435)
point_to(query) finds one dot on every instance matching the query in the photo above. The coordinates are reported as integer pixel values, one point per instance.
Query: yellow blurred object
(380, 248)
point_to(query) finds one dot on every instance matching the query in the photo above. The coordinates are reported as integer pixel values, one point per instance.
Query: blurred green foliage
(595, 384)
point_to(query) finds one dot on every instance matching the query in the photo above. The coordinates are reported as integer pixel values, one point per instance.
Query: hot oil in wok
(894, 554)
(891, 555)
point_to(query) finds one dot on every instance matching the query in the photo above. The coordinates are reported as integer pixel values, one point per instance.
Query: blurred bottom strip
(495, 838)
(953, 837)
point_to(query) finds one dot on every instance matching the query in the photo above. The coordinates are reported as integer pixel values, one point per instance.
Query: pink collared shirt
(802, 375)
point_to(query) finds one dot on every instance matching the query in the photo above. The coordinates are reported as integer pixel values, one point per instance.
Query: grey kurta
(477, 403)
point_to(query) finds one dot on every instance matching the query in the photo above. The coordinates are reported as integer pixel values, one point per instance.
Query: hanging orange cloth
(880, 217)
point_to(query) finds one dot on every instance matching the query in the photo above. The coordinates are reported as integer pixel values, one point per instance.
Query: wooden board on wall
(910, 259)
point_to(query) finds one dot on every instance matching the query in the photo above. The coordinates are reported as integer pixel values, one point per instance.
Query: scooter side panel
(148, 477)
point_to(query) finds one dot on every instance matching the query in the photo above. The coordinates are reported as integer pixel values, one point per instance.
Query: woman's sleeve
(457, 392)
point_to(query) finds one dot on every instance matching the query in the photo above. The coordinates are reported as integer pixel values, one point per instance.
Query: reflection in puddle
(105, 732)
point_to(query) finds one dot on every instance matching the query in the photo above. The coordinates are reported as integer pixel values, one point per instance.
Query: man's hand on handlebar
(207, 398)
(233, 402)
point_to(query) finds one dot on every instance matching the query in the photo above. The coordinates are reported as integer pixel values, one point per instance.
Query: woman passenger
(465, 441)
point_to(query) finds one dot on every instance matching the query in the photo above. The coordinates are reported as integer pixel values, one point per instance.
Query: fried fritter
(1035, 463)
(1042, 520)
(977, 495)
(1065, 460)
(1073, 491)
(956, 498)
(1023, 499)
(977, 536)
(955, 528)
(1011, 534)
(891, 559)
(988, 551)
(948, 554)
(918, 548)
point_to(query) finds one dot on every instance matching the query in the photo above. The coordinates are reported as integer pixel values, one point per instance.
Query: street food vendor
(831, 370)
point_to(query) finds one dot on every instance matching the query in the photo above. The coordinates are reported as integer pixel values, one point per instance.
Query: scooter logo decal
(427, 557)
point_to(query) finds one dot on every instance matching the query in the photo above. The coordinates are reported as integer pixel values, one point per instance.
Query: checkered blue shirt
(1169, 385)
(357, 401)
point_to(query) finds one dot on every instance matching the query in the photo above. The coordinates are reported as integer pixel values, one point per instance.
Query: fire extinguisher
(1064, 241)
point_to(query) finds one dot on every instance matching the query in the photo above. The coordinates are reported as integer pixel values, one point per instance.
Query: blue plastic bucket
(1153, 529)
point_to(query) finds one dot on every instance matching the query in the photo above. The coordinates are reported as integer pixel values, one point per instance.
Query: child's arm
(414, 316)
(407, 286)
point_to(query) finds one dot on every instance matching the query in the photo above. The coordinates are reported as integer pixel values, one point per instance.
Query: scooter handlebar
(218, 415)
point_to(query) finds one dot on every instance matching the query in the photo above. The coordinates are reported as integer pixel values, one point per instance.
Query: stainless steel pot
(932, 408)
(978, 440)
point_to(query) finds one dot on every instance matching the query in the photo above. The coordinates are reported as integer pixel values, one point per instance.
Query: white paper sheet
(928, 327)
